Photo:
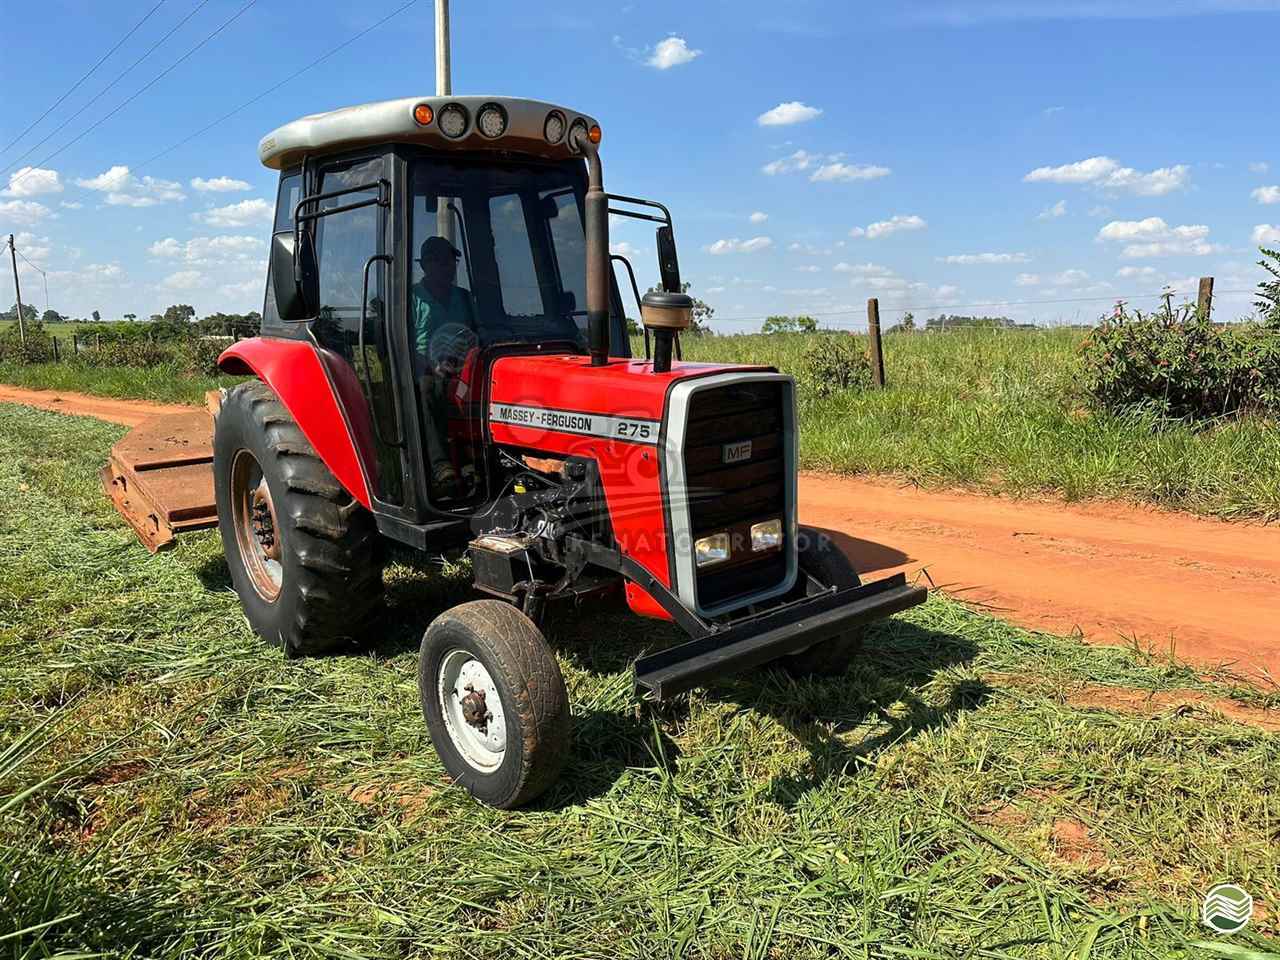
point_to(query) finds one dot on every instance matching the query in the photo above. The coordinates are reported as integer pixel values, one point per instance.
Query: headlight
(766, 536)
(554, 128)
(492, 120)
(452, 120)
(577, 125)
(712, 549)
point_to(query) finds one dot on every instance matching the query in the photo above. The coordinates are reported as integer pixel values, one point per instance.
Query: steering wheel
(448, 348)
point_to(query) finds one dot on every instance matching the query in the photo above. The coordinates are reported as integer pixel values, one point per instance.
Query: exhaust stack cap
(660, 310)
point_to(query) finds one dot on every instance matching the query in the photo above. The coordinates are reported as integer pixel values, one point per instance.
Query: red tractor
(444, 362)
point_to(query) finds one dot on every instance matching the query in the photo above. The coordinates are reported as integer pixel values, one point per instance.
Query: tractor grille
(731, 496)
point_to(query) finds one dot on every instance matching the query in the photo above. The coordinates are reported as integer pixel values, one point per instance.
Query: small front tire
(494, 701)
(822, 560)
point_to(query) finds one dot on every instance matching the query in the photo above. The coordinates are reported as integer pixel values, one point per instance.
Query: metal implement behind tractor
(444, 363)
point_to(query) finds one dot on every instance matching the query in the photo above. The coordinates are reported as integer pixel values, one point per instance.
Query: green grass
(1002, 411)
(160, 384)
(996, 411)
(207, 798)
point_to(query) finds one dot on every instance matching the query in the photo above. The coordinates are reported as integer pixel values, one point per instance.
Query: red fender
(322, 393)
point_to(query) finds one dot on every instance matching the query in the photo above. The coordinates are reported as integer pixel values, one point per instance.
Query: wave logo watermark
(1227, 908)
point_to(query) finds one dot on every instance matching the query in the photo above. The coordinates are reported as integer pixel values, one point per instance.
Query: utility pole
(17, 289)
(444, 88)
(444, 85)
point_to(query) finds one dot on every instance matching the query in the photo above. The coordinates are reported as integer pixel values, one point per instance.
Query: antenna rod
(444, 84)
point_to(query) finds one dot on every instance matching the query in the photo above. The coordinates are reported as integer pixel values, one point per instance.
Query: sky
(1037, 160)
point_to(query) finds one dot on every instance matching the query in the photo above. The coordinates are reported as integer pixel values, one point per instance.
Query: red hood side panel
(611, 414)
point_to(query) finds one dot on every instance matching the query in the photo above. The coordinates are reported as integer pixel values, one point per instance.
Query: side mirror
(296, 290)
(550, 209)
(668, 263)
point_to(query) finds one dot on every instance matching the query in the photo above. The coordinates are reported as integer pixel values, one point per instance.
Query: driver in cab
(443, 317)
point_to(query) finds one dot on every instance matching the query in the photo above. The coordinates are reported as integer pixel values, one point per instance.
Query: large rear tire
(304, 556)
(822, 560)
(494, 701)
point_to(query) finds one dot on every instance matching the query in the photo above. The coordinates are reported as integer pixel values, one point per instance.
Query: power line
(145, 87)
(75, 86)
(43, 276)
(272, 89)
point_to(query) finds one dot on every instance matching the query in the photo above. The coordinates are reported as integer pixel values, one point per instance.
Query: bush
(833, 364)
(1179, 365)
(38, 347)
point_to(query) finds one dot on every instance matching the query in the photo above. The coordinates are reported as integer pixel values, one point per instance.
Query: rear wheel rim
(472, 710)
(257, 532)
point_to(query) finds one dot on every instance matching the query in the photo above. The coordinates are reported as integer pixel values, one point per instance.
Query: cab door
(348, 214)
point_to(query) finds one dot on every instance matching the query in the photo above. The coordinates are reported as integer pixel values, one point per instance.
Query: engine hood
(565, 393)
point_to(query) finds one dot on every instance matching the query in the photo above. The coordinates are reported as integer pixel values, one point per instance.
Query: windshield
(498, 249)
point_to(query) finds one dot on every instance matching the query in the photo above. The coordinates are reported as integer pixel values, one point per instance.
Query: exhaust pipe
(597, 237)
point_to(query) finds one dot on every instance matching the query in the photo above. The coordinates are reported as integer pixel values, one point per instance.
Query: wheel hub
(472, 710)
(264, 522)
(256, 529)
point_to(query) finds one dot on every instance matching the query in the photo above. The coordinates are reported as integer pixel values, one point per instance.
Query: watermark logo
(1227, 908)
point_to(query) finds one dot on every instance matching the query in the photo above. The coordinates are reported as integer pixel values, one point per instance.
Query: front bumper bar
(743, 644)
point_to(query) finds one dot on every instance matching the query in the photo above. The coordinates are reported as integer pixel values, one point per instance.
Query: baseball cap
(438, 248)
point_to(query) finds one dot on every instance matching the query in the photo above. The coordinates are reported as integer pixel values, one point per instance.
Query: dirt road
(1208, 590)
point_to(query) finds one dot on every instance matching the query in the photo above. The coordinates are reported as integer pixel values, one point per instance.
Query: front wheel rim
(472, 710)
(257, 532)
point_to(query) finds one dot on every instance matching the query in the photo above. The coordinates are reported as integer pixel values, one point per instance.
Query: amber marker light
(594, 133)
(423, 114)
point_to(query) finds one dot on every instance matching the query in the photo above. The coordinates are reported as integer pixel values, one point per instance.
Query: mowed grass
(950, 797)
(1003, 411)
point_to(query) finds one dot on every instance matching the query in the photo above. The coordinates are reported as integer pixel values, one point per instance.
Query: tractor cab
(416, 240)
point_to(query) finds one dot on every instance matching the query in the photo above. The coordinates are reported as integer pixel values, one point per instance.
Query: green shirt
(429, 314)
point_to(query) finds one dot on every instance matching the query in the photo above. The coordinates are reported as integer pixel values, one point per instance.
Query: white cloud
(1266, 234)
(895, 224)
(800, 160)
(1069, 278)
(1059, 209)
(209, 250)
(1136, 273)
(1102, 210)
(784, 114)
(124, 189)
(1266, 195)
(735, 245)
(863, 269)
(102, 271)
(848, 171)
(809, 268)
(623, 249)
(671, 52)
(249, 288)
(758, 217)
(218, 185)
(1260, 166)
(32, 182)
(35, 249)
(715, 289)
(970, 259)
(183, 280)
(71, 204)
(243, 214)
(1107, 174)
(1153, 237)
(24, 212)
(1027, 280)
(1050, 111)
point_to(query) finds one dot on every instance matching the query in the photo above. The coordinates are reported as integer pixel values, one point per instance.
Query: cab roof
(393, 121)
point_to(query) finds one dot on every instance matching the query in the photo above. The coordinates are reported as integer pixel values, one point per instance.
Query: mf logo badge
(737, 452)
(1227, 908)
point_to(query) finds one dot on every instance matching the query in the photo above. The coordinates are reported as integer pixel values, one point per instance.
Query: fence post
(1204, 303)
(97, 341)
(75, 343)
(56, 358)
(877, 348)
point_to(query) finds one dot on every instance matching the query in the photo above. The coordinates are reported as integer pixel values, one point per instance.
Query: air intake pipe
(597, 237)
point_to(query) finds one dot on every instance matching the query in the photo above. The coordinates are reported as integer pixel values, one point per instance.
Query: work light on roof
(554, 128)
(453, 120)
(579, 126)
(492, 120)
